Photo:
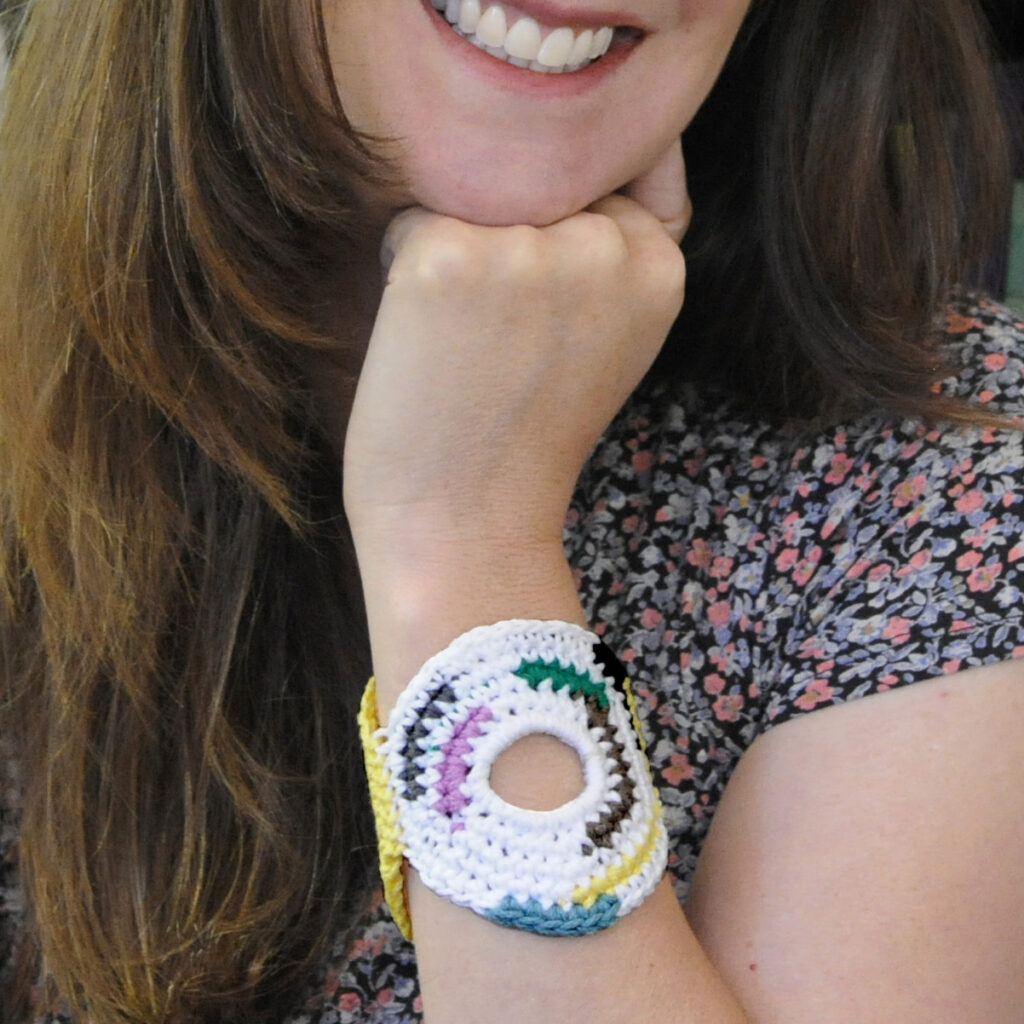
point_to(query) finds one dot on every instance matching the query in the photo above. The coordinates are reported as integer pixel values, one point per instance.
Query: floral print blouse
(749, 574)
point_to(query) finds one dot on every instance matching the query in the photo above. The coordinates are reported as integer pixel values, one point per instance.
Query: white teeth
(492, 28)
(469, 16)
(581, 48)
(523, 40)
(555, 50)
(524, 44)
(602, 40)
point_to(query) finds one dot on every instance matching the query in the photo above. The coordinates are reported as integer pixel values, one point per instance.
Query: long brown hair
(183, 639)
(849, 170)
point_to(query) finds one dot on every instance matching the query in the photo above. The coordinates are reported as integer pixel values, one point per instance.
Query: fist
(498, 357)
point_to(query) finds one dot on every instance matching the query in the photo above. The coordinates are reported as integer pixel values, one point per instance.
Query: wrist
(419, 598)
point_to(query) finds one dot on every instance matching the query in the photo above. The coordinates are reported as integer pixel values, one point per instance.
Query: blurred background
(1005, 277)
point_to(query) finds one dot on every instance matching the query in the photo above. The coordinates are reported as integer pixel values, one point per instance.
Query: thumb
(661, 189)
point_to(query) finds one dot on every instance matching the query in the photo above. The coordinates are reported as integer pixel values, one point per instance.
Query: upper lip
(547, 13)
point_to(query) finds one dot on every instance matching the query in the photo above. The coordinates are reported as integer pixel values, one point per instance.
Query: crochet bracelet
(568, 871)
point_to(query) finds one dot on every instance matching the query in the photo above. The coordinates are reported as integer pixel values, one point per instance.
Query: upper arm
(866, 863)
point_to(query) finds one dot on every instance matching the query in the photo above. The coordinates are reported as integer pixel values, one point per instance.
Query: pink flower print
(786, 560)
(812, 647)
(896, 628)
(841, 465)
(721, 567)
(693, 466)
(986, 396)
(817, 692)
(368, 947)
(908, 491)
(349, 1002)
(984, 577)
(699, 555)
(719, 613)
(650, 618)
(1016, 553)
(858, 568)
(919, 559)
(678, 770)
(805, 567)
(976, 538)
(642, 462)
(995, 360)
(630, 523)
(879, 572)
(714, 683)
(968, 560)
(970, 502)
(728, 707)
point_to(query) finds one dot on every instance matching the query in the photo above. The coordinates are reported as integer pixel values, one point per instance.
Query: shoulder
(869, 553)
(908, 538)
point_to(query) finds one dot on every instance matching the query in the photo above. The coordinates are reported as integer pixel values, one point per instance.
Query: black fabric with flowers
(748, 575)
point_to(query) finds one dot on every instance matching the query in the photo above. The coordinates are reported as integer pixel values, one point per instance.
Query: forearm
(648, 966)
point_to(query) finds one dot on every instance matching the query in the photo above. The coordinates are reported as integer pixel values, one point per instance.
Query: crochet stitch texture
(567, 871)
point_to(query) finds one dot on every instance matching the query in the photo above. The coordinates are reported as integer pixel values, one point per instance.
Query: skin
(469, 148)
(522, 301)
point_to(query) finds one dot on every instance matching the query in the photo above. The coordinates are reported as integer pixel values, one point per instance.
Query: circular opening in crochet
(538, 772)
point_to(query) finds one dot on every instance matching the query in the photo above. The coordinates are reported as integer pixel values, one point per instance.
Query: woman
(813, 496)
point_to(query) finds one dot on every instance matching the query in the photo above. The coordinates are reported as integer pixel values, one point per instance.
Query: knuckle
(665, 277)
(525, 252)
(437, 253)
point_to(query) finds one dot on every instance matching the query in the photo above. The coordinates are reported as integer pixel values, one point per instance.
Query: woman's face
(490, 142)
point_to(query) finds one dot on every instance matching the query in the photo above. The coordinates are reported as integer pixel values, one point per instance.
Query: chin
(501, 204)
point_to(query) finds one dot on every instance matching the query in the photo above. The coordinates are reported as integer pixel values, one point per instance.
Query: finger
(662, 190)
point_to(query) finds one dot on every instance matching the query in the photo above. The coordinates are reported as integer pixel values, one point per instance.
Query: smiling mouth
(523, 42)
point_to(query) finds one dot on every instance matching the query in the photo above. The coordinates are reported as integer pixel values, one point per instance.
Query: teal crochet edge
(555, 920)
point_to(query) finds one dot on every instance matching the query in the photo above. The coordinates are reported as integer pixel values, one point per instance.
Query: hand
(498, 357)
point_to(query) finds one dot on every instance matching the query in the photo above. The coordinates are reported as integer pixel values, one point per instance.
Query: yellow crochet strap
(627, 686)
(389, 843)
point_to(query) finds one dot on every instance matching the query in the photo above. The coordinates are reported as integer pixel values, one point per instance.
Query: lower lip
(508, 77)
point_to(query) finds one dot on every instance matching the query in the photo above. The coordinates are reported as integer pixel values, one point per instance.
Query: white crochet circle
(469, 844)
